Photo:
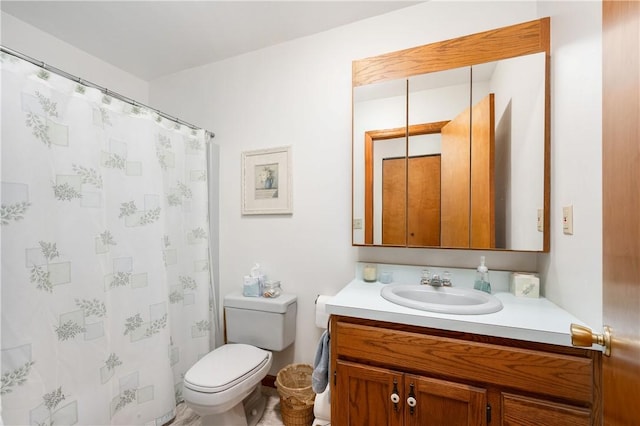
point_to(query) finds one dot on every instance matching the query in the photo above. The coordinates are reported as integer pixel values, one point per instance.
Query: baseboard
(269, 381)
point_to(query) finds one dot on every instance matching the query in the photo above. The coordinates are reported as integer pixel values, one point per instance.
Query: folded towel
(320, 375)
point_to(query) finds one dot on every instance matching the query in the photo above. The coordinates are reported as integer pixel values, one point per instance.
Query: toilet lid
(224, 367)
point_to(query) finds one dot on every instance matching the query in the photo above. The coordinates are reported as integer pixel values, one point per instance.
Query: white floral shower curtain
(106, 290)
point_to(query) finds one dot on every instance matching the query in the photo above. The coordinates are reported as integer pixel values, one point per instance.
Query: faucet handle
(446, 279)
(425, 277)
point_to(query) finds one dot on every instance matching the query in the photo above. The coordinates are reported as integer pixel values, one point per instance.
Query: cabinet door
(365, 396)
(439, 403)
(525, 411)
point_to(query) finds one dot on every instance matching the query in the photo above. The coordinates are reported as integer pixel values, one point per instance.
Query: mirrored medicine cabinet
(451, 143)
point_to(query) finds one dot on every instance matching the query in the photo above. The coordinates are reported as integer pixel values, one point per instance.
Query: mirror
(438, 162)
(454, 157)
(383, 106)
(517, 86)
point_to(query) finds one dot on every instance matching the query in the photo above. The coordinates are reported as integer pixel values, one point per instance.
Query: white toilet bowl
(223, 387)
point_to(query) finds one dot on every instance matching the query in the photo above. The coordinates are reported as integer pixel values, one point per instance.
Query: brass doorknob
(583, 336)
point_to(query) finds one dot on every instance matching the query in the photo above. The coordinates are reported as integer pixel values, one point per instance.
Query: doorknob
(584, 337)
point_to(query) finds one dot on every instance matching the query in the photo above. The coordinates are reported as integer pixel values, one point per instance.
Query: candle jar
(369, 273)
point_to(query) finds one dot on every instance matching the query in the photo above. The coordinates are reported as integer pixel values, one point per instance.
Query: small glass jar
(272, 289)
(385, 277)
(369, 273)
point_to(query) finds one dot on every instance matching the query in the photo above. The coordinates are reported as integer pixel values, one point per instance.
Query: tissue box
(251, 287)
(524, 285)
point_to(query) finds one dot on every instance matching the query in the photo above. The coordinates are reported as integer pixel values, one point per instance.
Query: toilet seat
(225, 367)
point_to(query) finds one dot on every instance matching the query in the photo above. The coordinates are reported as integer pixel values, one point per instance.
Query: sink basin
(447, 300)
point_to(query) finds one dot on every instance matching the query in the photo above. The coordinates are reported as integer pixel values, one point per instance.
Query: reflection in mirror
(473, 174)
(438, 96)
(518, 88)
(389, 191)
(376, 108)
(438, 165)
(424, 190)
(402, 216)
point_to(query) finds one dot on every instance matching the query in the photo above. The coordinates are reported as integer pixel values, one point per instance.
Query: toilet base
(248, 412)
(234, 416)
(254, 406)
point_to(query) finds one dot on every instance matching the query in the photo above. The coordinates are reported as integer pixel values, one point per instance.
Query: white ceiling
(154, 38)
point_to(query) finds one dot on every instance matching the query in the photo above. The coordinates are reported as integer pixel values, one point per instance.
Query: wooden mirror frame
(488, 46)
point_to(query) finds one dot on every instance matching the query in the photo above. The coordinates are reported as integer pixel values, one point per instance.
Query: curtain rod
(104, 90)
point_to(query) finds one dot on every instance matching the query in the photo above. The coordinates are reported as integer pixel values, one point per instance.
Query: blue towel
(320, 375)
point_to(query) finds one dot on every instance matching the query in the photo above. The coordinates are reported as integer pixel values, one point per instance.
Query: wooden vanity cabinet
(369, 394)
(393, 374)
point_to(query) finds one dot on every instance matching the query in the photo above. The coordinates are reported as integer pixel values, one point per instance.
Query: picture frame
(266, 181)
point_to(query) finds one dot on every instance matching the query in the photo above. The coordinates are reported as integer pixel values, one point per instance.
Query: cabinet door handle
(411, 401)
(395, 398)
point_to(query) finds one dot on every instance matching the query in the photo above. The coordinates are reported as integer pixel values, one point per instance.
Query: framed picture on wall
(266, 181)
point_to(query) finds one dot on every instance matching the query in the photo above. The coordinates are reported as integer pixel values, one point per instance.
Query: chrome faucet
(435, 280)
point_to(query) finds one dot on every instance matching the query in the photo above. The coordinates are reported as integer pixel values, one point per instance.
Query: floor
(186, 417)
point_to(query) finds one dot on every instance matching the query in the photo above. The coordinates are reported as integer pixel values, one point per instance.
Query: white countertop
(534, 320)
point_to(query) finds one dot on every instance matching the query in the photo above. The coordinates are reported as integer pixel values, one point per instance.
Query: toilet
(224, 386)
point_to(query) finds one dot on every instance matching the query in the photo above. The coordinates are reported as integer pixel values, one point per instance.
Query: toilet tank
(268, 323)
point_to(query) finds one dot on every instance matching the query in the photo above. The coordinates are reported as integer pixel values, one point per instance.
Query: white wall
(29, 40)
(299, 94)
(573, 268)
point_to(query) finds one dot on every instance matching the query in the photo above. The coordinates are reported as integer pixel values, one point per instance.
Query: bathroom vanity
(393, 365)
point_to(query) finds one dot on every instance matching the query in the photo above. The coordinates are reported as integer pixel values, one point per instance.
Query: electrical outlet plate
(567, 220)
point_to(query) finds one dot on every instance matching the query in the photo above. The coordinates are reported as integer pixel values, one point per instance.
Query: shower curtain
(106, 290)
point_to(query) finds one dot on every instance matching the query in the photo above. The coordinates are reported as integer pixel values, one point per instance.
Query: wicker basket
(296, 396)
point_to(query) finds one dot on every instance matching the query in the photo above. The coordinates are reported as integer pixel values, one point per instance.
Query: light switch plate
(567, 220)
(540, 220)
(357, 223)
